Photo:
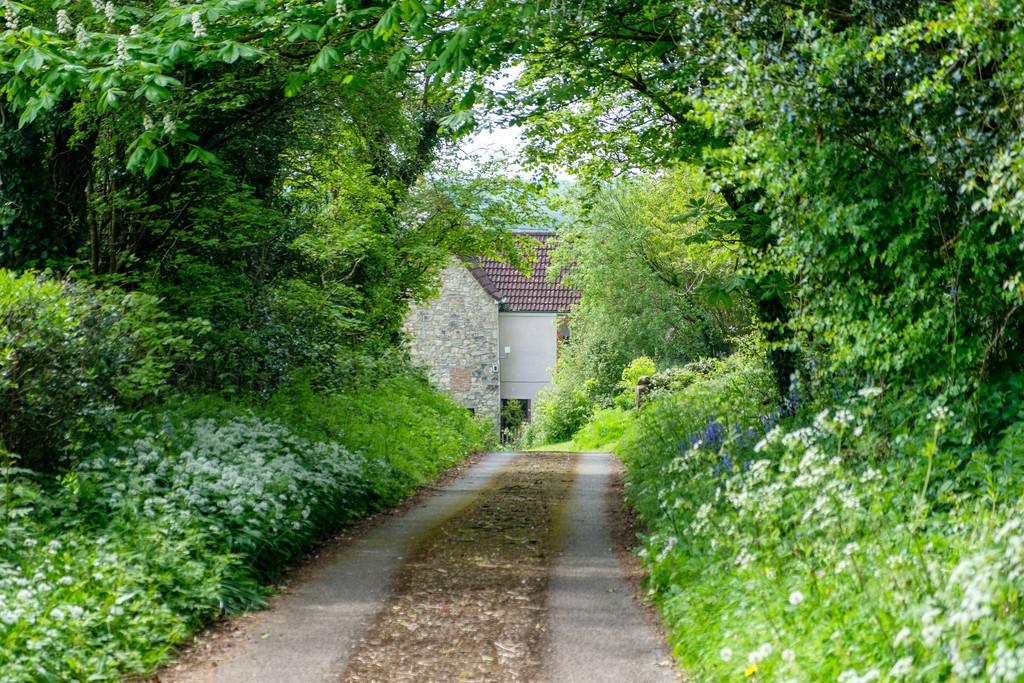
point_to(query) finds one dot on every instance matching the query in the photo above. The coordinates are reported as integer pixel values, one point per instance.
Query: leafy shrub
(561, 410)
(856, 544)
(402, 420)
(603, 430)
(631, 374)
(187, 513)
(671, 380)
(70, 356)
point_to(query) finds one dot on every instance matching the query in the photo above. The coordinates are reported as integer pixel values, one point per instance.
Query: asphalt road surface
(589, 626)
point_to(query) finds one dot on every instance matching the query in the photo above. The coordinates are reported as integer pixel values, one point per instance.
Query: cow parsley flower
(1007, 664)
(902, 668)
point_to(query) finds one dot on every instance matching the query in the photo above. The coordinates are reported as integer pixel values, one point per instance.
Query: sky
(490, 143)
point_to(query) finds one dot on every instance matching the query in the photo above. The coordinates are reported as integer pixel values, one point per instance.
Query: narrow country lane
(506, 574)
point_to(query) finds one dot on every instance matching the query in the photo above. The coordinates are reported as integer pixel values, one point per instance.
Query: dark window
(515, 413)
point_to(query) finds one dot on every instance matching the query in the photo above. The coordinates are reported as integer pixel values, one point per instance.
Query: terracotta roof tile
(519, 293)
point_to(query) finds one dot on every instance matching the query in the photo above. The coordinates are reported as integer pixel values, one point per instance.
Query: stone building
(492, 335)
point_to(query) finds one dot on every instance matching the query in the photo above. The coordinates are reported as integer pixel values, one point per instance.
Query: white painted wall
(532, 343)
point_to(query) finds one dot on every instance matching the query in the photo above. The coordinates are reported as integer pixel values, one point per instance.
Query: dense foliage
(188, 512)
(198, 211)
(847, 174)
(650, 287)
(841, 543)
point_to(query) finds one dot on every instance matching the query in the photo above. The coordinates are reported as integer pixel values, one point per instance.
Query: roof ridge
(519, 292)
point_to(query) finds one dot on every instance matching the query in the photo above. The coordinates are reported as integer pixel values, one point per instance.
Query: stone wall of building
(456, 338)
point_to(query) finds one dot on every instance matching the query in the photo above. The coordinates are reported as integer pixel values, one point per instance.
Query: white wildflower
(98, 6)
(1007, 664)
(726, 654)
(843, 417)
(788, 655)
(74, 611)
(760, 654)
(870, 392)
(932, 628)
(796, 597)
(940, 414)
(901, 636)
(902, 668)
(169, 125)
(108, 11)
(852, 676)
(116, 611)
(198, 30)
(64, 24)
(135, 31)
(340, 10)
(57, 613)
(744, 559)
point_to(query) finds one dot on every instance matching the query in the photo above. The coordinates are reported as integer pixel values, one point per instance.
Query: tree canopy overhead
(867, 152)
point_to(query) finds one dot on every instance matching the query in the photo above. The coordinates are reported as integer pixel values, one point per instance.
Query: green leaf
(137, 157)
(302, 32)
(231, 52)
(153, 92)
(327, 58)
(109, 99)
(179, 49)
(157, 159)
(202, 156)
(293, 83)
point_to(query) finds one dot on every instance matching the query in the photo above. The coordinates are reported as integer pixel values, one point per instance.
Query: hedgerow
(857, 541)
(187, 513)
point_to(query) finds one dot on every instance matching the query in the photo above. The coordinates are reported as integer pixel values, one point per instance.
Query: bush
(603, 430)
(189, 511)
(562, 409)
(70, 356)
(859, 543)
(631, 374)
(402, 420)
